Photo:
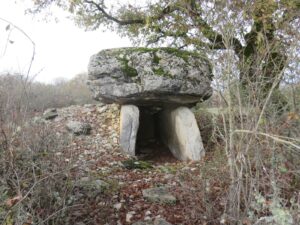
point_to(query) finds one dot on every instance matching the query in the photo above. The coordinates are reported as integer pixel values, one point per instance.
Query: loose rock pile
(78, 128)
(156, 85)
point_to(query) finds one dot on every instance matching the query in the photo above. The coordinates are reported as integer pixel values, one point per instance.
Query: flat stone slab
(180, 132)
(144, 76)
(159, 194)
(129, 125)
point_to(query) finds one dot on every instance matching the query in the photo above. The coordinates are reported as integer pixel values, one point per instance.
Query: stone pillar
(129, 125)
(180, 132)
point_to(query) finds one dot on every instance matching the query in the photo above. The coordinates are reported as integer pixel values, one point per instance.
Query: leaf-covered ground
(200, 188)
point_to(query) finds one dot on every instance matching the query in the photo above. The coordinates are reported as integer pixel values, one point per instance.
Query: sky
(62, 49)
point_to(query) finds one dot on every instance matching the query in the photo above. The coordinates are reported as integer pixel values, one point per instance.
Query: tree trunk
(261, 65)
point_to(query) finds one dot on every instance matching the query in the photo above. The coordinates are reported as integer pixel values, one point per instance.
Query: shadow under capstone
(149, 143)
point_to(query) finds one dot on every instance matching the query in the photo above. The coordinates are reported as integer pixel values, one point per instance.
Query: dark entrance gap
(149, 145)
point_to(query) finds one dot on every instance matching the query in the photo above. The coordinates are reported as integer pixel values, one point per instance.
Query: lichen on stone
(127, 70)
(160, 72)
(150, 76)
(156, 59)
(130, 71)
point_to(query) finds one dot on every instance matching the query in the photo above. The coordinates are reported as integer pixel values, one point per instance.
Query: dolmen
(156, 87)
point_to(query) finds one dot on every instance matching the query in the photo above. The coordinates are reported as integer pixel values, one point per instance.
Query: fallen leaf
(12, 201)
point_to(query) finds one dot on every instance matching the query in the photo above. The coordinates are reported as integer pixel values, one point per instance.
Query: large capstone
(160, 77)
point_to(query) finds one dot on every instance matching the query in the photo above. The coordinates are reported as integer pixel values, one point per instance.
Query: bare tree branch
(114, 19)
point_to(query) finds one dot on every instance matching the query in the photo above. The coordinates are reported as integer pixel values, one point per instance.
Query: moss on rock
(128, 70)
(132, 72)
(160, 72)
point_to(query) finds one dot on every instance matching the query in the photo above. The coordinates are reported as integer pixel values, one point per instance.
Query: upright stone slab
(129, 125)
(180, 132)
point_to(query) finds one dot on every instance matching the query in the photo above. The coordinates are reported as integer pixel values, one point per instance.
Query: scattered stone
(147, 213)
(157, 221)
(89, 184)
(50, 114)
(143, 223)
(144, 76)
(159, 194)
(129, 124)
(100, 184)
(115, 140)
(88, 105)
(147, 218)
(38, 120)
(180, 132)
(168, 176)
(129, 215)
(78, 128)
(102, 109)
(161, 221)
(118, 206)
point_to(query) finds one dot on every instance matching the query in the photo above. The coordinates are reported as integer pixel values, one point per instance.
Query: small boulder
(118, 206)
(88, 187)
(50, 114)
(157, 221)
(159, 194)
(143, 223)
(129, 216)
(161, 221)
(87, 183)
(78, 128)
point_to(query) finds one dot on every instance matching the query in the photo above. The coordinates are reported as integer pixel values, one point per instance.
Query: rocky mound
(109, 187)
(143, 76)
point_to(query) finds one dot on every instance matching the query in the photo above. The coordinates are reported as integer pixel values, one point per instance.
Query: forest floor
(200, 188)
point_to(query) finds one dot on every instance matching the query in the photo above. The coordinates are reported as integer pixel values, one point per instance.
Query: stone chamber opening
(149, 144)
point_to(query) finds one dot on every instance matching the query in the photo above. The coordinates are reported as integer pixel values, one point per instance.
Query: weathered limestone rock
(50, 114)
(88, 183)
(161, 221)
(159, 194)
(181, 134)
(129, 124)
(157, 221)
(87, 187)
(155, 77)
(78, 128)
